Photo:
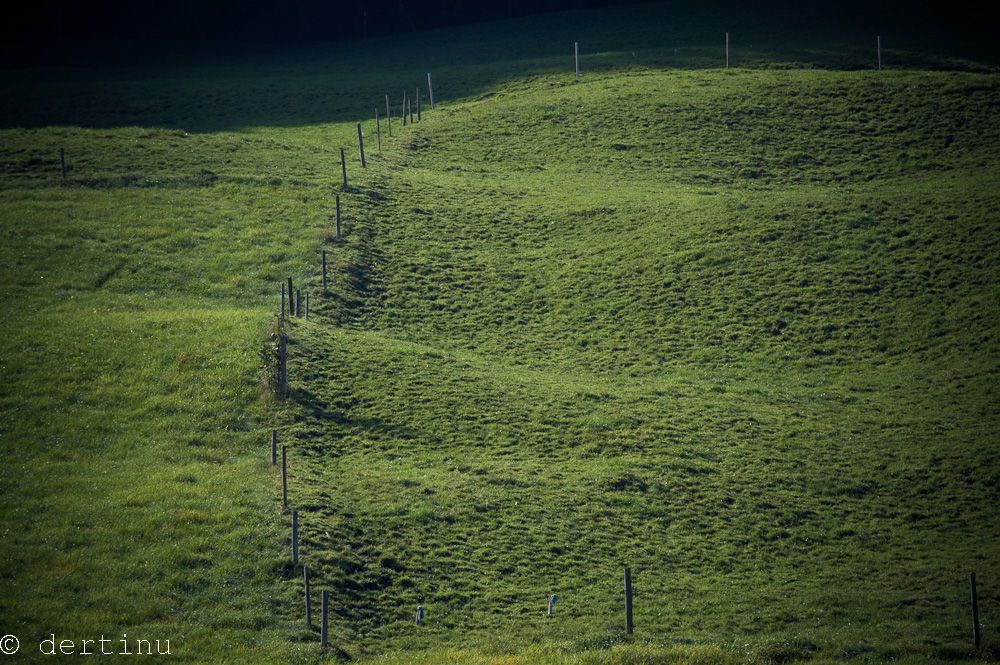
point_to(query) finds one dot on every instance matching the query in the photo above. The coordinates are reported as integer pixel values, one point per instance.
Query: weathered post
(878, 48)
(324, 270)
(290, 302)
(628, 600)
(305, 575)
(404, 109)
(975, 610)
(576, 51)
(430, 90)
(727, 50)
(418, 104)
(295, 537)
(343, 166)
(274, 447)
(361, 146)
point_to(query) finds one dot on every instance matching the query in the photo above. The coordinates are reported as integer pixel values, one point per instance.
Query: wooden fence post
(343, 166)
(298, 302)
(430, 90)
(628, 600)
(409, 107)
(361, 146)
(305, 575)
(324, 270)
(378, 130)
(295, 537)
(727, 50)
(418, 104)
(338, 218)
(404, 109)
(576, 52)
(284, 478)
(274, 447)
(878, 47)
(326, 614)
(290, 302)
(62, 162)
(975, 610)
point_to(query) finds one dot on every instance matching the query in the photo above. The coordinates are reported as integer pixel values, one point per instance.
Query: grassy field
(735, 329)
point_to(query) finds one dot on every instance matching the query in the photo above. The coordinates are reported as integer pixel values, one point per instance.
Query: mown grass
(733, 329)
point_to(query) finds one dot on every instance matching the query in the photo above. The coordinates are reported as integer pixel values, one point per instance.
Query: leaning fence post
(628, 600)
(305, 575)
(430, 90)
(361, 146)
(343, 166)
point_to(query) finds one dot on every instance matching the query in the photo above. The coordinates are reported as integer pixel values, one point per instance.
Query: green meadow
(736, 329)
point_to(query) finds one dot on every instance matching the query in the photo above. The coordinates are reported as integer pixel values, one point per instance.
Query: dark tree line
(278, 20)
(335, 20)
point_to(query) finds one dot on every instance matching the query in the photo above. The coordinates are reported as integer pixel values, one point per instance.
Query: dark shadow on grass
(232, 87)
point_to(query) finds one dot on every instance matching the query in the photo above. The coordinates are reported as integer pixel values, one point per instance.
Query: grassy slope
(595, 326)
(731, 329)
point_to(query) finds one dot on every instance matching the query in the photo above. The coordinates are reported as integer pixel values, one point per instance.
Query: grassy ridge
(569, 327)
(744, 348)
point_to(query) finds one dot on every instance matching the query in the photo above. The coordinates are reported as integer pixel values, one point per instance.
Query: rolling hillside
(730, 329)
(733, 328)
